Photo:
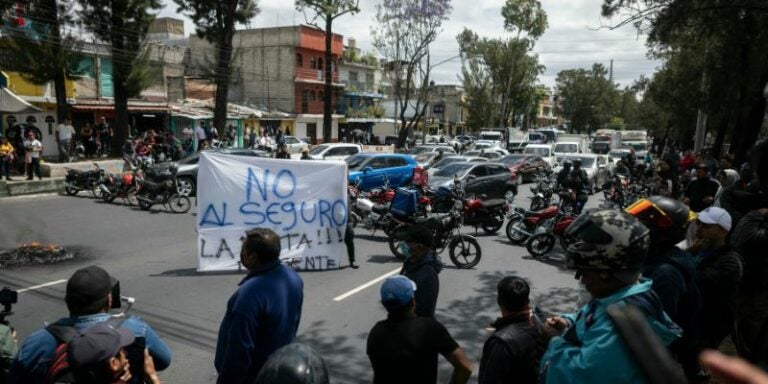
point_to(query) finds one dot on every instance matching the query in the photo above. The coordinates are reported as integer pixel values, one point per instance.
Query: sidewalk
(53, 177)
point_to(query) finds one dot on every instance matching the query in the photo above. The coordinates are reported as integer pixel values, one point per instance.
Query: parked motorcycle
(464, 250)
(77, 180)
(163, 192)
(523, 224)
(122, 186)
(543, 239)
(542, 192)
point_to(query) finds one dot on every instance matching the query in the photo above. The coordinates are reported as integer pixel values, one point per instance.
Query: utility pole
(701, 118)
(610, 76)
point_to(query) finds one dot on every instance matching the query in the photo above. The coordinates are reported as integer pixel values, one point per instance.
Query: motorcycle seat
(493, 203)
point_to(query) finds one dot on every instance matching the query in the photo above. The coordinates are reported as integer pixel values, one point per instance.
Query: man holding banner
(263, 314)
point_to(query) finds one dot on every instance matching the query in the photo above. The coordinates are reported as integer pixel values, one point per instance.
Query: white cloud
(573, 39)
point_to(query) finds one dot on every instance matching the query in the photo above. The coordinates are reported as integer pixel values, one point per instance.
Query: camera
(8, 297)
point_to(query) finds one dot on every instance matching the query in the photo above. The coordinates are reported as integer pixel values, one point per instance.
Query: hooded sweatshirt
(732, 177)
(424, 273)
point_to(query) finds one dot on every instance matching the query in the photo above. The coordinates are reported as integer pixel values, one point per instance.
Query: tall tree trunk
(223, 68)
(722, 129)
(51, 15)
(121, 68)
(328, 96)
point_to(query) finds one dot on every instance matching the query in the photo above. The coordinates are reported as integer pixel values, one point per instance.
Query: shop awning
(10, 103)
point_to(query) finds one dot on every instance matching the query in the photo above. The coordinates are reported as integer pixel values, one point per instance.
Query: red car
(525, 166)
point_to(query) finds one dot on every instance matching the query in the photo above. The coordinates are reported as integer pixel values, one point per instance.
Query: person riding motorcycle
(621, 168)
(562, 176)
(578, 182)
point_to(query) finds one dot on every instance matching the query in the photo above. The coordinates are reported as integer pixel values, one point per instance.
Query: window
(352, 77)
(312, 62)
(320, 64)
(299, 60)
(497, 170)
(369, 81)
(291, 140)
(378, 163)
(396, 162)
(320, 95)
(479, 171)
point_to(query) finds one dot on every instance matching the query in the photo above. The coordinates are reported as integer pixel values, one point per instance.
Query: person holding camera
(91, 292)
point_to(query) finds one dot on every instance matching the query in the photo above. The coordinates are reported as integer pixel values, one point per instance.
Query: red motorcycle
(487, 214)
(543, 239)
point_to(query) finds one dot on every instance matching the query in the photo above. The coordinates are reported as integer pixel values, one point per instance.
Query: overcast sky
(570, 42)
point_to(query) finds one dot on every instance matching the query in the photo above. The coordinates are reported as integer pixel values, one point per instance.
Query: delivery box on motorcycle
(405, 202)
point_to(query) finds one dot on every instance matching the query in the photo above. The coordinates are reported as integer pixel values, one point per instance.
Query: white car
(335, 151)
(542, 150)
(294, 144)
(599, 168)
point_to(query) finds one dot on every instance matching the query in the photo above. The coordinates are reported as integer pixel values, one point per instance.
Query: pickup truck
(571, 143)
(517, 140)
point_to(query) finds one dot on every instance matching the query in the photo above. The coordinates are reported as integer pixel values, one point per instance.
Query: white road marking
(32, 288)
(366, 285)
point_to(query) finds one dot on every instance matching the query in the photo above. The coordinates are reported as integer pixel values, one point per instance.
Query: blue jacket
(262, 316)
(596, 353)
(35, 355)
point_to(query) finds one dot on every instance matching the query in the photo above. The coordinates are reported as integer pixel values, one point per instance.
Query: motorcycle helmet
(608, 240)
(665, 217)
(567, 163)
(294, 363)
(577, 162)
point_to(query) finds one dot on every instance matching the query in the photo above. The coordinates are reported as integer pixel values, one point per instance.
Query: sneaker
(30, 178)
(40, 178)
(354, 266)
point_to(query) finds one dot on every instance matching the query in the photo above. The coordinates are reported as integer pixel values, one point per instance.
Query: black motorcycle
(542, 192)
(77, 180)
(163, 191)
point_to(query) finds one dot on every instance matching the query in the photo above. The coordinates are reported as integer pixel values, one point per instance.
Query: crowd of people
(694, 269)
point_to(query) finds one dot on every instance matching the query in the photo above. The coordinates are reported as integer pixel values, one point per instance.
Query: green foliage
(366, 111)
(210, 17)
(586, 97)
(524, 16)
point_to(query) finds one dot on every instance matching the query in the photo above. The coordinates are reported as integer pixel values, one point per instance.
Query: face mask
(405, 249)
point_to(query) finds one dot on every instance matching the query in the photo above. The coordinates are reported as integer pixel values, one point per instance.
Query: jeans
(106, 145)
(34, 165)
(64, 150)
(349, 241)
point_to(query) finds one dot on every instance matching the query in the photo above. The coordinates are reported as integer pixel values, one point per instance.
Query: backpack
(404, 203)
(58, 370)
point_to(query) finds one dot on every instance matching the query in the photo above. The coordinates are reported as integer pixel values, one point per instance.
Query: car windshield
(420, 150)
(448, 160)
(424, 157)
(354, 162)
(482, 145)
(538, 151)
(512, 159)
(602, 139)
(491, 136)
(472, 153)
(458, 169)
(567, 148)
(618, 154)
(318, 150)
(639, 146)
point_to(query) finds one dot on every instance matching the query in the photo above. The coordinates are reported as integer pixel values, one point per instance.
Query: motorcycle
(524, 224)
(464, 250)
(543, 239)
(164, 192)
(487, 214)
(542, 192)
(123, 186)
(77, 181)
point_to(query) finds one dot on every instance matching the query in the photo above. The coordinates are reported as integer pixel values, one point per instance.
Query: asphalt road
(153, 256)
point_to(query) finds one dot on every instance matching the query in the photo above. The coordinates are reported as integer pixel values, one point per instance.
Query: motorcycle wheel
(492, 225)
(464, 251)
(179, 204)
(396, 245)
(70, 191)
(108, 197)
(514, 236)
(538, 203)
(540, 244)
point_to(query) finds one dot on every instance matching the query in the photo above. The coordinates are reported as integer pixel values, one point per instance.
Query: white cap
(716, 215)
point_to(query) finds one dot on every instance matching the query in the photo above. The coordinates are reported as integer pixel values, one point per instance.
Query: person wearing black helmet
(578, 181)
(608, 255)
(562, 176)
(672, 270)
(294, 363)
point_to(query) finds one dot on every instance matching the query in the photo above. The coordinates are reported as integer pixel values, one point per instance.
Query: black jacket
(424, 274)
(718, 275)
(674, 281)
(513, 352)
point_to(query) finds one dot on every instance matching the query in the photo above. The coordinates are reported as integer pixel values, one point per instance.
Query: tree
(123, 24)
(403, 31)
(727, 41)
(43, 52)
(511, 74)
(215, 22)
(328, 11)
(587, 97)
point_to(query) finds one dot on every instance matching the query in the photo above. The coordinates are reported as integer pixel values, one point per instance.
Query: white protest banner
(304, 202)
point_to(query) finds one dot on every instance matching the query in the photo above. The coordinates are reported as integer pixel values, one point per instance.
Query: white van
(545, 151)
(494, 137)
(335, 151)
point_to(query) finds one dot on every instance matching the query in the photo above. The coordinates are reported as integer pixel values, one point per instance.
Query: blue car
(374, 170)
